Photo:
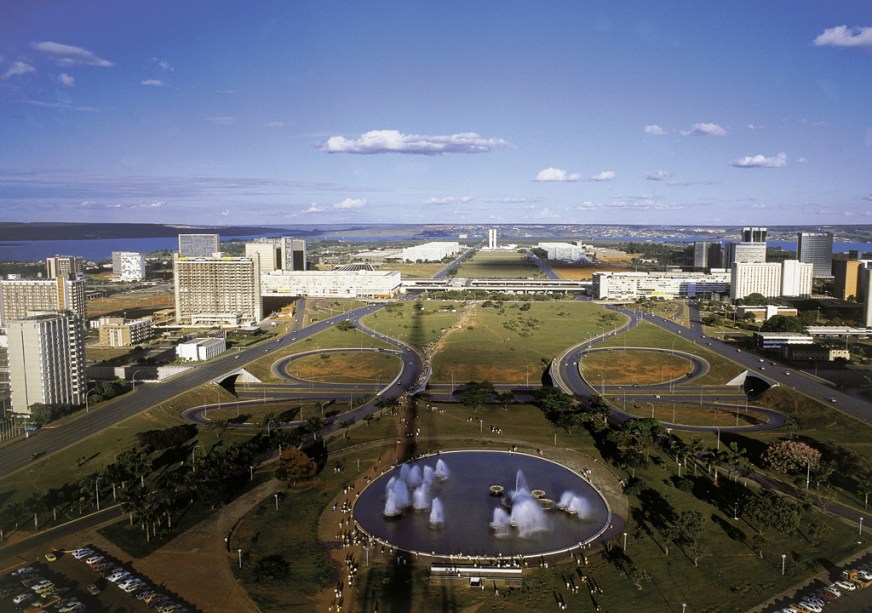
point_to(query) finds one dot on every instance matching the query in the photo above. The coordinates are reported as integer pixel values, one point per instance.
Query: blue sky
(299, 112)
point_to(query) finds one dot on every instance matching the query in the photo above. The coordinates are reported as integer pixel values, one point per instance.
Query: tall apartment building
(817, 248)
(128, 266)
(217, 290)
(755, 278)
(492, 238)
(796, 278)
(20, 298)
(70, 266)
(46, 360)
(120, 332)
(199, 245)
(867, 304)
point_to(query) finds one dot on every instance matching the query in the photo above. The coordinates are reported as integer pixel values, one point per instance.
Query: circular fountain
(445, 506)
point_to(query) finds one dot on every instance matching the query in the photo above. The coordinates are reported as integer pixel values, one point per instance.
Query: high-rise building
(217, 290)
(70, 266)
(846, 279)
(128, 266)
(817, 248)
(796, 278)
(745, 253)
(46, 360)
(707, 255)
(867, 304)
(294, 254)
(492, 238)
(268, 251)
(20, 298)
(199, 245)
(755, 278)
(753, 234)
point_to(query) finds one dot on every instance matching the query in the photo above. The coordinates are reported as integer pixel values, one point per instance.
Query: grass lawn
(648, 335)
(413, 270)
(351, 367)
(620, 367)
(498, 265)
(504, 344)
(414, 325)
(687, 414)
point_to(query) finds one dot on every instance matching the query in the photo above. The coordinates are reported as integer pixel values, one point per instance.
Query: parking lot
(74, 580)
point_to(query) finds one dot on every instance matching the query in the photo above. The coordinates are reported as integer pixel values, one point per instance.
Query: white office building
(492, 238)
(128, 266)
(755, 278)
(217, 290)
(796, 279)
(332, 283)
(199, 245)
(566, 252)
(282, 253)
(430, 252)
(631, 286)
(201, 349)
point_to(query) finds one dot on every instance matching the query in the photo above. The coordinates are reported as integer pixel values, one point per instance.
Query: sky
(334, 111)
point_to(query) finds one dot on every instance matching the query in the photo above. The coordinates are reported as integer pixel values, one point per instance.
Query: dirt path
(196, 565)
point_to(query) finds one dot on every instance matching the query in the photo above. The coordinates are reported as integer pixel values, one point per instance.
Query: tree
(476, 394)
(345, 325)
(791, 457)
(754, 299)
(505, 398)
(864, 486)
(781, 323)
(294, 465)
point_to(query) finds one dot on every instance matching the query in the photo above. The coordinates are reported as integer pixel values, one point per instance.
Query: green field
(498, 265)
(415, 323)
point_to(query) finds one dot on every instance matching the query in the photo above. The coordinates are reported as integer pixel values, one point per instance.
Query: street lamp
(239, 551)
(97, 492)
(719, 438)
(861, 527)
(807, 472)
(276, 496)
(88, 393)
(251, 472)
(783, 558)
(652, 409)
(679, 469)
(133, 379)
(735, 510)
(625, 541)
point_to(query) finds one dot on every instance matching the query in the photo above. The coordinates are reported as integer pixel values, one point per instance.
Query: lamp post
(652, 409)
(807, 472)
(239, 552)
(683, 606)
(735, 510)
(251, 472)
(97, 492)
(719, 438)
(679, 469)
(861, 527)
(625, 541)
(783, 558)
(276, 496)
(88, 393)
(133, 379)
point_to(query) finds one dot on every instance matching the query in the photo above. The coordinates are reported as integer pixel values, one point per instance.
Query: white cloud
(449, 200)
(392, 141)
(655, 130)
(843, 36)
(18, 68)
(606, 175)
(753, 126)
(658, 175)
(225, 212)
(164, 65)
(556, 174)
(705, 129)
(152, 82)
(761, 161)
(69, 55)
(67, 80)
(802, 160)
(315, 208)
(350, 203)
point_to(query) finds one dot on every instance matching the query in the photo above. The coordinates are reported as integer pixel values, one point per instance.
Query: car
(20, 572)
(92, 588)
(103, 566)
(114, 577)
(42, 588)
(828, 595)
(149, 598)
(833, 589)
(787, 372)
(81, 553)
(815, 599)
(865, 575)
(94, 560)
(128, 582)
(50, 556)
(811, 606)
(136, 585)
(833, 400)
(169, 608)
(846, 585)
(23, 597)
(72, 607)
(143, 594)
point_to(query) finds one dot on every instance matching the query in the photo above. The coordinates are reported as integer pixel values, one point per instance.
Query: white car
(846, 585)
(811, 606)
(94, 560)
(833, 589)
(72, 607)
(865, 575)
(128, 582)
(24, 596)
(81, 553)
(115, 577)
(20, 572)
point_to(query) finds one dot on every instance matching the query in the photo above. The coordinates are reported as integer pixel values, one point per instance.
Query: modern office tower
(269, 253)
(846, 278)
(46, 360)
(753, 234)
(755, 278)
(217, 291)
(294, 254)
(817, 248)
(20, 298)
(199, 245)
(492, 238)
(70, 266)
(128, 266)
(700, 254)
(796, 278)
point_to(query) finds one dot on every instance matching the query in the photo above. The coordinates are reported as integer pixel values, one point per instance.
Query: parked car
(20, 572)
(50, 556)
(92, 588)
(23, 597)
(846, 585)
(81, 553)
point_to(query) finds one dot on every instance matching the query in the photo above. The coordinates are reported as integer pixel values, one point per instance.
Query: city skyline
(309, 113)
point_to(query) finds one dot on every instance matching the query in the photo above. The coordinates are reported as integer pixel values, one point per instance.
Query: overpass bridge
(509, 286)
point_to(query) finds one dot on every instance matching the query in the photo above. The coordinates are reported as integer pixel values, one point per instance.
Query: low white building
(630, 286)
(566, 252)
(201, 349)
(430, 252)
(332, 283)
